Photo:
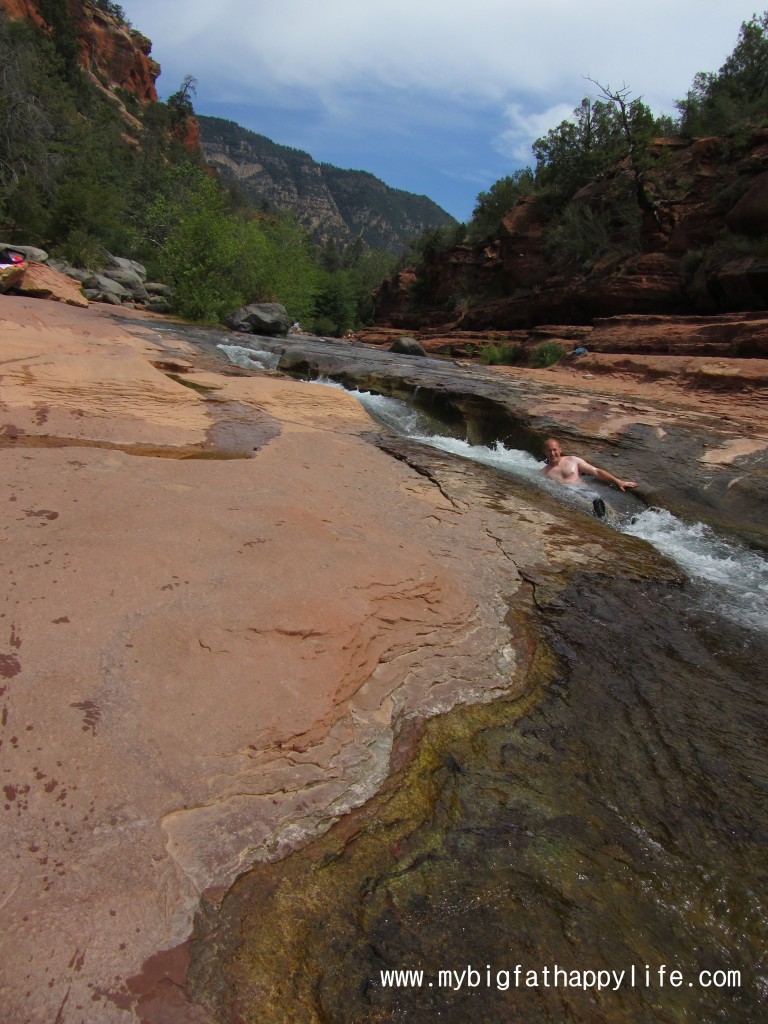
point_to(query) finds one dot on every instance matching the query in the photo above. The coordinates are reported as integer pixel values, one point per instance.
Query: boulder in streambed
(268, 318)
(408, 347)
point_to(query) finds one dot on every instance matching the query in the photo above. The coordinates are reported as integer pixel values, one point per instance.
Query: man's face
(552, 453)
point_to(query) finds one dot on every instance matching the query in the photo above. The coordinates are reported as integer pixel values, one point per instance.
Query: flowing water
(729, 579)
(596, 852)
(559, 856)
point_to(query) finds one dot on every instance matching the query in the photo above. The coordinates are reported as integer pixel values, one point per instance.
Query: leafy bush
(81, 249)
(433, 243)
(546, 354)
(335, 303)
(734, 245)
(582, 234)
(691, 262)
(501, 197)
(736, 95)
(216, 260)
(500, 355)
(727, 197)
(325, 327)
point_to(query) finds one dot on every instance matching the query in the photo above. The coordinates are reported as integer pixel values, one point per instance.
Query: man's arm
(602, 474)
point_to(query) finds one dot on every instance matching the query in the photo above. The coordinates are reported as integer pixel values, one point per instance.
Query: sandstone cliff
(702, 252)
(114, 55)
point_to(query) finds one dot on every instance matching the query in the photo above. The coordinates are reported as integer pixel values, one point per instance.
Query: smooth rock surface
(203, 661)
(207, 658)
(42, 282)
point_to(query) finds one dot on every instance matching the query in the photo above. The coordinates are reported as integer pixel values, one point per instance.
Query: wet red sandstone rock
(209, 656)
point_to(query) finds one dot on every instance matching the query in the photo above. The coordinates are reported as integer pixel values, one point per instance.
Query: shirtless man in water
(567, 469)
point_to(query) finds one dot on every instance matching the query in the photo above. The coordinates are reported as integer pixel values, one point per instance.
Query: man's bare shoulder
(584, 466)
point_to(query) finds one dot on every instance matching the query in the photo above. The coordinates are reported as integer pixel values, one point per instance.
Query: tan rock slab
(202, 661)
(70, 374)
(41, 282)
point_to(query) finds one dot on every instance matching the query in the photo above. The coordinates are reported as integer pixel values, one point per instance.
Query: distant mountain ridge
(329, 202)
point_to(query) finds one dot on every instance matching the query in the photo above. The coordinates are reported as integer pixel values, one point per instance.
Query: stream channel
(595, 851)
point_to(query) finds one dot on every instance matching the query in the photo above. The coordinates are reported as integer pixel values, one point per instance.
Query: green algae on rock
(614, 818)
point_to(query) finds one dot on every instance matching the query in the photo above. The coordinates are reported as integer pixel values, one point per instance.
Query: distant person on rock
(567, 469)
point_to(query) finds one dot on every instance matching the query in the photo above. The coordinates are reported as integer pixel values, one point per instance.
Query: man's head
(552, 452)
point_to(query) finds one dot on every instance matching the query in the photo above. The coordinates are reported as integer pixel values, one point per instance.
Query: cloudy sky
(438, 97)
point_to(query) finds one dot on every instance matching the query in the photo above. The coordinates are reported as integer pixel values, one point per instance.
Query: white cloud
(360, 81)
(481, 51)
(527, 126)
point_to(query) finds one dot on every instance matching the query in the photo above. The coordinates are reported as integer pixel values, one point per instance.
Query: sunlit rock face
(109, 50)
(120, 54)
(18, 9)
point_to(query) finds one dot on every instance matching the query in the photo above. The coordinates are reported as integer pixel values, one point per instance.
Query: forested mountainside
(329, 202)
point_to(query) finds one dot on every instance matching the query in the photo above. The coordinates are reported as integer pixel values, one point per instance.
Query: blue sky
(436, 97)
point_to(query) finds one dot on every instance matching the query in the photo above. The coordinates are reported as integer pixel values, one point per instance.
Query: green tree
(607, 137)
(180, 102)
(434, 242)
(638, 128)
(366, 272)
(290, 275)
(735, 96)
(208, 257)
(62, 32)
(574, 152)
(335, 303)
(330, 257)
(501, 197)
(115, 10)
(93, 182)
(33, 114)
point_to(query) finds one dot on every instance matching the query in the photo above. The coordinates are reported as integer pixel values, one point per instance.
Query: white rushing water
(732, 580)
(250, 358)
